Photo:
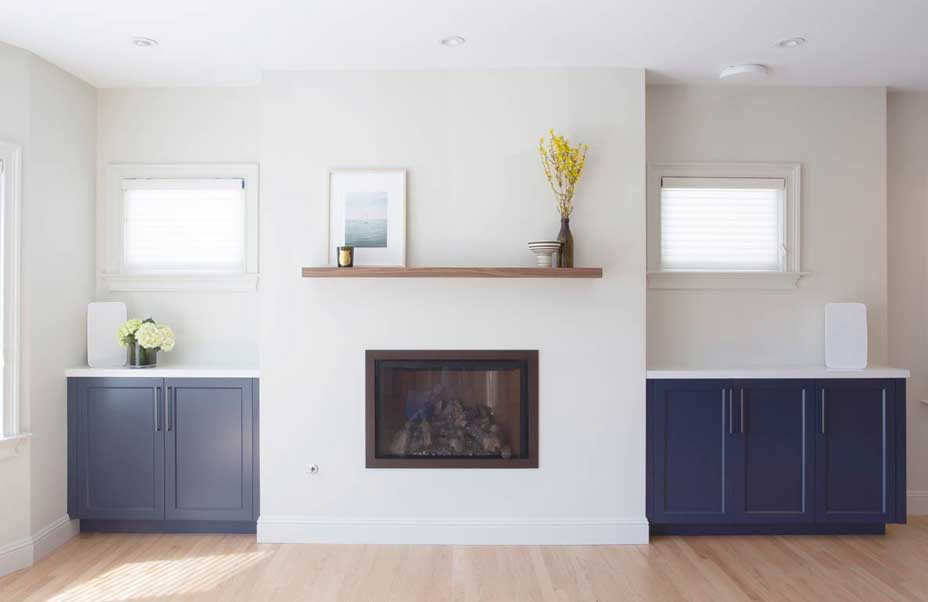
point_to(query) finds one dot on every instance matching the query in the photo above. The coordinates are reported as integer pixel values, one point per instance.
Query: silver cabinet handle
(157, 409)
(823, 411)
(170, 405)
(742, 410)
(731, 414)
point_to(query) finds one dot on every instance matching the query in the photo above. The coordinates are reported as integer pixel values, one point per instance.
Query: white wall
(53, 116)
(839, 136)
(476, 196)
(58, 267)
(14, 128)
(186, 125)
(908, 273)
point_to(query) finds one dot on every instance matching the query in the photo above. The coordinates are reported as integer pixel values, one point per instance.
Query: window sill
(12, 445)
(181, 282)
(724, 280)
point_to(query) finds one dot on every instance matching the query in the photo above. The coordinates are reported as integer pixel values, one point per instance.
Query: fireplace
(452, 409)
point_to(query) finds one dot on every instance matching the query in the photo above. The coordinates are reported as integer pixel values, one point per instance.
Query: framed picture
(367, 211)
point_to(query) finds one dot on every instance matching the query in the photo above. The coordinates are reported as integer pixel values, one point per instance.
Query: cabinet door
(854, 450)
(773, 469)
(209, 460)
(120, 449)
(691, 430)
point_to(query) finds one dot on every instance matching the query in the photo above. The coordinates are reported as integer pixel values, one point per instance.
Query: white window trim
(791, 173)
(11, 437)
(12, 445)
(110, 220)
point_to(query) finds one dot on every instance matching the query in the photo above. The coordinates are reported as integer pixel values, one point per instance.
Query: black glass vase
(140, 357)
(566, 257)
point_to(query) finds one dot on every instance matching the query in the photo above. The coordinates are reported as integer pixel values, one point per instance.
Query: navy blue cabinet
(691, 422)
(119, 467)
(152, 454)
(855, 451)
(775, 456)
(208, 468)
(772, 459)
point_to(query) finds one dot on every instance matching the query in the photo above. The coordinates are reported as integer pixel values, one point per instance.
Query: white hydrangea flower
(149, 335)
(167, 338)
(126, 332)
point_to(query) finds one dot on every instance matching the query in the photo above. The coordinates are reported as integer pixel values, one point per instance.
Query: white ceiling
(202, 42)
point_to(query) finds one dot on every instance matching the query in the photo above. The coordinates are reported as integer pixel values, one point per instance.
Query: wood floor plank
(234, 568)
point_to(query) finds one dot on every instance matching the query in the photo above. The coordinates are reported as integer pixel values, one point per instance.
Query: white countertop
(179, 371)
(809, 372)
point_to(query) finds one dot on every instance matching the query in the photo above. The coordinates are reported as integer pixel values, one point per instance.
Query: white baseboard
(24, 552)
(53, 536)
(917, 503)
(16, 555)
(447, 531)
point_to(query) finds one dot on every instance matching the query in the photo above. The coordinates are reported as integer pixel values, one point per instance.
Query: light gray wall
(14, 128)
(58, 267)
(908, 272)
(839, 136)
(53, 116)
(476, 196)
(186, 125)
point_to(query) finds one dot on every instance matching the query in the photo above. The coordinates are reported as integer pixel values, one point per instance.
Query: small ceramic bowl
(543, 250)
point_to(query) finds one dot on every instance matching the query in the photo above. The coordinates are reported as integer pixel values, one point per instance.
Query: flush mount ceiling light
(744, 72)
(453, 41)
(791, 42)
(143, 42)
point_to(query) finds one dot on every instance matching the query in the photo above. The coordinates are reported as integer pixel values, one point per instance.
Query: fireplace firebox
(452, 409)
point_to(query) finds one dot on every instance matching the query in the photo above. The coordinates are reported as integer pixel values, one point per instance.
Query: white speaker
(846, 336)
(103, 349)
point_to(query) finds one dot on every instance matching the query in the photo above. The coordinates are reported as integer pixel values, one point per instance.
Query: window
(181, 227)
(184, 225)
(723, 226)
(10, 166)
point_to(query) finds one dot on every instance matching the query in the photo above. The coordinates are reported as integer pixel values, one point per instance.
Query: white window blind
(195, 226)
(722, 224)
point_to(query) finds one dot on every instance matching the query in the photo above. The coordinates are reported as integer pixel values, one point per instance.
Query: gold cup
(345, 257)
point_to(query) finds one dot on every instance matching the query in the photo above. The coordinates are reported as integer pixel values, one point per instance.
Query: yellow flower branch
(563, 165)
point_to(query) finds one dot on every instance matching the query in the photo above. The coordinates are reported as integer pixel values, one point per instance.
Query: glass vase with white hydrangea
(144, 339)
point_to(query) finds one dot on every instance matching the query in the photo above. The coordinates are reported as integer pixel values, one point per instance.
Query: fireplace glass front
(464, 409)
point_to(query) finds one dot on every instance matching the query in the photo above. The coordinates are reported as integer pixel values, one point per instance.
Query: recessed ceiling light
(791, 42)
(453, 41)
(143, 42)
(744, 72)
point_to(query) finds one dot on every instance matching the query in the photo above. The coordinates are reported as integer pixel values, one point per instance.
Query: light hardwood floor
(99, 568)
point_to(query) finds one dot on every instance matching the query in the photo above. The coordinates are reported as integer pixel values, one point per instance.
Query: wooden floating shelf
(395, 272)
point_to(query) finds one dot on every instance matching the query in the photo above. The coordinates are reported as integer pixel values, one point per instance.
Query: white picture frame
(367, 210)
